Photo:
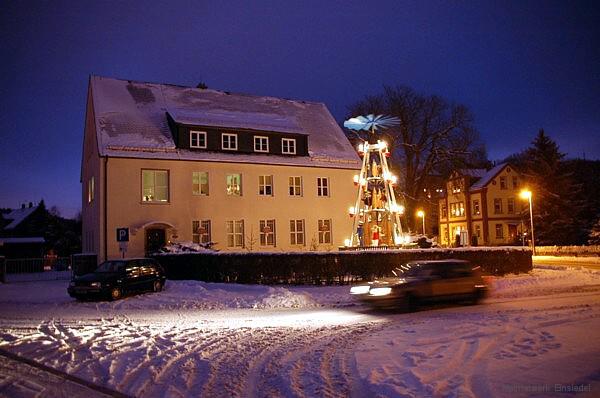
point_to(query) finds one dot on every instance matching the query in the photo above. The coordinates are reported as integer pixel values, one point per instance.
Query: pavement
(568, 261)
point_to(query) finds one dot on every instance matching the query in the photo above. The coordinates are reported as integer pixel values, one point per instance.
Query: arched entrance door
(156, 238)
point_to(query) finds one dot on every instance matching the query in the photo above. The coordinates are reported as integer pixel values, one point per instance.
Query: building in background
(173, 164)
(482, 207)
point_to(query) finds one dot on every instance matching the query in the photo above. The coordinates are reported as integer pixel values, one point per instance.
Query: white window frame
(230, 189)
(197, 135)
(297, 233)
(199, 184)
(197, 235)
(263, 185)
(288, 146)
(295, 189)
(148, 198)
(235, 233)
(267, 238)
(229, 136)
(260, 140)
(325, 235)
(323, 186)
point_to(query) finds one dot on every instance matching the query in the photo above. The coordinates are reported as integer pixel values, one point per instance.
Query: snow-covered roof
(131, 121)
(17, 216)
(488, 176)
(476, 173)
(33, 239)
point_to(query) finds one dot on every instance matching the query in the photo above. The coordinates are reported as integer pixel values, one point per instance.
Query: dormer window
(197, 139)
(261, 144)
(288, 146)
(229, 142)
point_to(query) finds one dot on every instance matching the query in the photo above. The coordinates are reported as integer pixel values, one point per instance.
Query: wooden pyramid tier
(376, 214)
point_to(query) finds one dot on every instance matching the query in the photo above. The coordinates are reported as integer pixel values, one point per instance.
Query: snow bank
(544, 280)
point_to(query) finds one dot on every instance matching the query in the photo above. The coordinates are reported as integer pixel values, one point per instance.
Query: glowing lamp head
(346, 242)
(351, 211)
(420, 213)
(394, 180)
(356, 179)
(525, 194)
(401, 209)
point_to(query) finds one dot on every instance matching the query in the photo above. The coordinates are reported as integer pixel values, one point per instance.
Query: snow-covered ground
(199, 339)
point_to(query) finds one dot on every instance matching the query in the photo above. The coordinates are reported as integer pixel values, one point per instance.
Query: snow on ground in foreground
(203, 339)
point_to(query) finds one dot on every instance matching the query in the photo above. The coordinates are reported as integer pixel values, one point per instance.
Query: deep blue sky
(518, 65)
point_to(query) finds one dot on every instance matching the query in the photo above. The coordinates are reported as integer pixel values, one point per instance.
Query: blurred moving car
(114, 278)
(424, 281)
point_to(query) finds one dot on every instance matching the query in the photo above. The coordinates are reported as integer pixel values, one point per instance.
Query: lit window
(295, 186)
(261, 144)
(91, 189)
(201, 231)
(155, 186)
(200, 183)
(229, 141)
(515, 181)
(322, 186)
(288, 146)
(234, 184)
(476, 208)
(197, 139)
(444, 211)
(267, 232)
(497, 206)
(297, 232)
(325, 231)
(265, 185)
(235, 233)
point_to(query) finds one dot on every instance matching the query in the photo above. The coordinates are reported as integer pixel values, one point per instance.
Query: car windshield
(111, 266)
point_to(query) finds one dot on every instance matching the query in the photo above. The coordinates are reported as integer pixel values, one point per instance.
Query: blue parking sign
(122, 234)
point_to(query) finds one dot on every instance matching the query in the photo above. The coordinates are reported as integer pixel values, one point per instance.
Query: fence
(583, 251)
(36, 269)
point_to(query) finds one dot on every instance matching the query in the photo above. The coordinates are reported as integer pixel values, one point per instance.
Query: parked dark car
(424, 281)
(114, 278)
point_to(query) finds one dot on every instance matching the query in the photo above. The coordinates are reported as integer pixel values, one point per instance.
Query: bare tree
(434, 136)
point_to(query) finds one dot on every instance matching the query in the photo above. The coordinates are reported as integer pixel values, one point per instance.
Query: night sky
(517, 65)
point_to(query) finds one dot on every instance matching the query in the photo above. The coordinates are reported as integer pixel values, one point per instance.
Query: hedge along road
(570, 261)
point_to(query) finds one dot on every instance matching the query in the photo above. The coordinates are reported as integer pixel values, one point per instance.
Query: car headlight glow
(360, 289)
(95, 284)
(380, 291)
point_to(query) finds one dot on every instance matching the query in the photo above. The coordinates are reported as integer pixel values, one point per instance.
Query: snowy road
(536, 332)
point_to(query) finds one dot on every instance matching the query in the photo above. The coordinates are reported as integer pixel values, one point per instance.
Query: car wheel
(157, 287)
(116, 293)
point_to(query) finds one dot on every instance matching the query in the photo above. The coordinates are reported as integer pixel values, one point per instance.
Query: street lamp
(421, 214)
(526, 194)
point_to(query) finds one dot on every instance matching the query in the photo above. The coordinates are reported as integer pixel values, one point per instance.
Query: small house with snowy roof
(482, 207)
(182, 164)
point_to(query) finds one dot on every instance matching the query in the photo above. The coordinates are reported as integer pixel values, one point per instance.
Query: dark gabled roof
(475, 173)
(17, 216)
(131, 121)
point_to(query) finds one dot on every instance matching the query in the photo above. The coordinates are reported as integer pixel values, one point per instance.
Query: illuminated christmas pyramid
(376, 214)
